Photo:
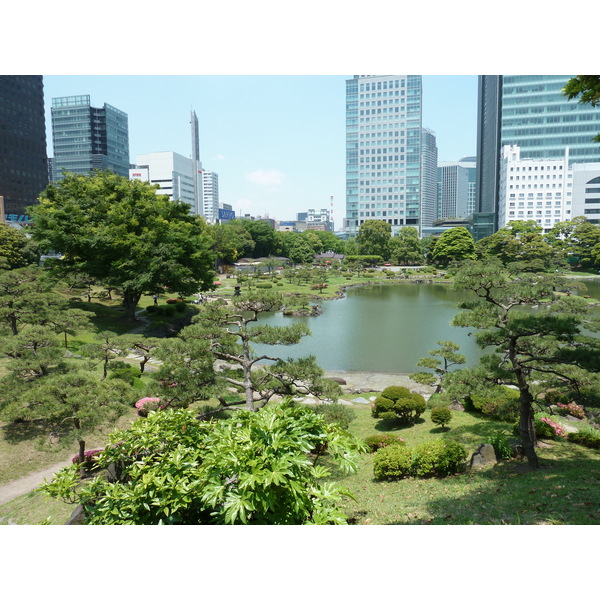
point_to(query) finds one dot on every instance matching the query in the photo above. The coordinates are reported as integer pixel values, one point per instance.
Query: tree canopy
(123, 234)
(374, 237)
(455, 244)
(536, 335)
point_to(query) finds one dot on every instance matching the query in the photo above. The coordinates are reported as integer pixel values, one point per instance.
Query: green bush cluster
(335, 413)
(166, 311)
(264, 286)
(125, 372)
(433, 458)
(381, 440)
(397, 403)
(499, 402)
(585, 438)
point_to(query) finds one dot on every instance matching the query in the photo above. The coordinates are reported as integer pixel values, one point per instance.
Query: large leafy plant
(254, 468)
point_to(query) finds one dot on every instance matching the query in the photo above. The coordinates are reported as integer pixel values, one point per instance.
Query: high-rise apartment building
(210, 196)
(173, 173)
(429, 161)
(531, 112)
(383, 150)
(23, 161)
(87, 138)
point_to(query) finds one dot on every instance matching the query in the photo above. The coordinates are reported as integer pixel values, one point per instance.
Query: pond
(380, 329)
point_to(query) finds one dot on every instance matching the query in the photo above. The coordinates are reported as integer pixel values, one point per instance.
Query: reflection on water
(380, 329)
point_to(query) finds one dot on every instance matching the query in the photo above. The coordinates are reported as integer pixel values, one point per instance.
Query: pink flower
(143, 401)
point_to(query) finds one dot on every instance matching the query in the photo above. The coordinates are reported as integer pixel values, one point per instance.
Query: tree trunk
(130, 302)
(82, 469)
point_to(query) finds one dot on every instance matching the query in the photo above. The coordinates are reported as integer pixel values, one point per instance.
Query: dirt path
(26, 484)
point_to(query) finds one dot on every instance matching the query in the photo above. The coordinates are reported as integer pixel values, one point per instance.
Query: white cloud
(262, 177)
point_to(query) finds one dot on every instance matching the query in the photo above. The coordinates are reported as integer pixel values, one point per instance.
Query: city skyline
(277, 142)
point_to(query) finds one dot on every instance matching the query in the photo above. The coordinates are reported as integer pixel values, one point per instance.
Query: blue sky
(277, 142)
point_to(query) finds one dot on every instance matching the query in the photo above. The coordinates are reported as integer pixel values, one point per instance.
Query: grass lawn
(566, 490)
(35, 508)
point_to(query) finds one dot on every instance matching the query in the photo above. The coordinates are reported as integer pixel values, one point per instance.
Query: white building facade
(429, 161)
(534, 190)
(210, 196)
(172, 172)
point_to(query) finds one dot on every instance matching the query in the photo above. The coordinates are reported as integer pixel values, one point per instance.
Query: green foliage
(433, 458)
(374, 238)
(455, 244)
(498, 402)
(501, 445)
(398, 403)
(589, 439)
(16, 249)
(381, 440)
(334, 412)
(125, 372)
(253, 468)
(441, 415)
(121, 233)
(264, 286)
(586, 88)
(394, 461)
(439, 458)
(226, 333)
(440, 361)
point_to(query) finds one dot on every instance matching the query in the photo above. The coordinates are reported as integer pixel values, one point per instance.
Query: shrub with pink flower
(89, 459)
(146, 405)
(572, 409)
(559, 430)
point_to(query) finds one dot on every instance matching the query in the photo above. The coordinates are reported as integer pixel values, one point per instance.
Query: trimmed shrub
(335, 413)
(151, 309)
(392, 462)
(441, 415)
(585, 438)
(381, 440)
(398, 403)
(264, 286)
(439, 458)
(125, 373)
(180, 307)
(174, 300)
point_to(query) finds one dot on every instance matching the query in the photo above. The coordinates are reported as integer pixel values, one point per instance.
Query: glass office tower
(87, 138)
(531, 112)
(383, 150)
(23, 160)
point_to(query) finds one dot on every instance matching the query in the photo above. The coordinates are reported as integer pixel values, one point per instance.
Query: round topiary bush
(441, 415)
(499, 402)
(264, 286)
(399, 403)
(392, 462)
(335, 413)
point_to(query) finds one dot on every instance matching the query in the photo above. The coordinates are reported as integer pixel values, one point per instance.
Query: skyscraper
(23, 161)
(210, 196)
(383, 150)
(529, 111)
(429, 159)
(87, 138)
(456, 188)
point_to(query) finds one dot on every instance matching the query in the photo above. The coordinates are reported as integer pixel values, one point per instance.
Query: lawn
(566, 490)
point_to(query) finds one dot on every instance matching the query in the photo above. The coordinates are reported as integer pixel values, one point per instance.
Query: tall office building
(87, 138)
(429, 161)
(23, 161)
(383, 150)
(173, 173)
(456, 188)
(529, 111)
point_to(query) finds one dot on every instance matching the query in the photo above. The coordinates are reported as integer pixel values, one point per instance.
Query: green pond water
(384, 328)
